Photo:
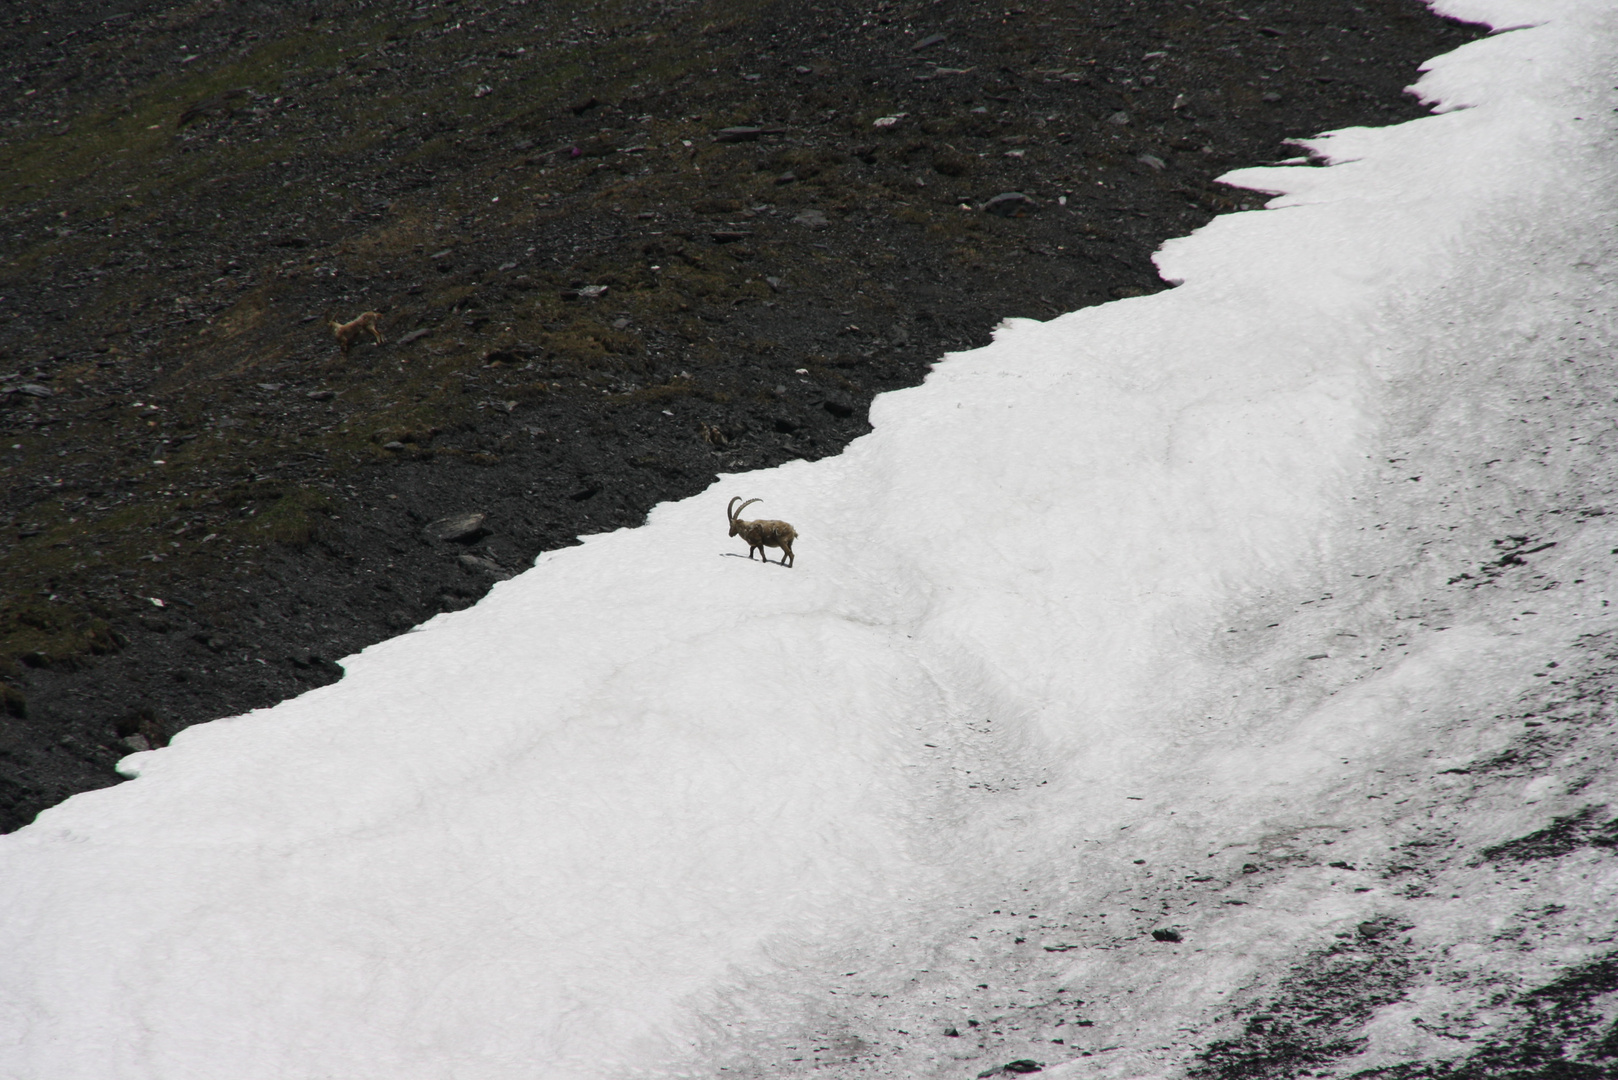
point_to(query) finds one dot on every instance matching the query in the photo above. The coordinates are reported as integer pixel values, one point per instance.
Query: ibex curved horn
(730, 511)
(743, 506)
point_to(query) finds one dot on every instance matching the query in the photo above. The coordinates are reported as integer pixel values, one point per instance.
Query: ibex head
(734, 512)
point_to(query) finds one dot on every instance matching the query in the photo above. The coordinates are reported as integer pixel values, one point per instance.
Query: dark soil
(205, 503)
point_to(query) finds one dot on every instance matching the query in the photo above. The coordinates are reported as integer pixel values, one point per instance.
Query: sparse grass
(42, 633)
(653, 395)
(294, 518)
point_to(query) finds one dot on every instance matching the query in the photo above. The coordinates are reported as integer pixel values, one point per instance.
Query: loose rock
(457, 528)
(1009, 204)
(480, 565)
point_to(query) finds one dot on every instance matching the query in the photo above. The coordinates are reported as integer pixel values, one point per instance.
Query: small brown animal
(349, 332)
(761, 534)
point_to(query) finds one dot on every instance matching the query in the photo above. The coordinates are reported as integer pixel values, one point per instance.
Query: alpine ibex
(349, 332)
(761, 534)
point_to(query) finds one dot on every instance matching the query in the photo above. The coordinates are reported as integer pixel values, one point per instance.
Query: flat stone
(737, 134)
(1009, 204)
(458, 528)
(477, 564)
(838, 407)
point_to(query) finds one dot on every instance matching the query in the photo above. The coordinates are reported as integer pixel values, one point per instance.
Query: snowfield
(1266, 612)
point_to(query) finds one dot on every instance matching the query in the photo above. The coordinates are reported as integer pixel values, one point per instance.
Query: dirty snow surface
(1270, 613)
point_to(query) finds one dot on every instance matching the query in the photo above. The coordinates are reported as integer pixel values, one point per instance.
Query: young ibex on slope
(349, 332)
(761, 534)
